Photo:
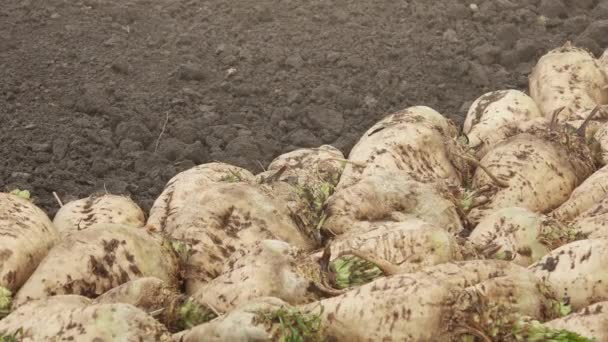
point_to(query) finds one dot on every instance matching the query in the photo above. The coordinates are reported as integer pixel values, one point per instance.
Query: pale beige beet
(310, 167)
(226, 217)
(95, 322)
(29, 316)
(470, 272)
(540, 171)
(518, 235)
(410, 245)
(593, 223)
(601, 139)
(107, 208)
(584, 197)
(494, 111)
(243, 324)
(493, 307)
(154, 296)
(303, 180)
(26, 236)
(415, 306)
(354, 316)
(402, 307)
(415, 140)
(181, 187)
(390, 196)
(270, 268)
(591, 322)
(571, 78)
(92, 261)
(576, 272)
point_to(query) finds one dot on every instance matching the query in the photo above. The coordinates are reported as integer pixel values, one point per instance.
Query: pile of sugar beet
(494, 232)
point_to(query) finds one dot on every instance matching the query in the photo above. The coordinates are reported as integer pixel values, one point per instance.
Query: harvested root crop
(593, 223)
(303, 180)
(470, 272)
(390, 196)
(403, 307)
(24, 317)
(270, 268)
(584, 197)
(417, 306)
(304, 204)
(575, 272)
(416, 140)
(410, 245)
(224, 218)
(95, 322)
(541, 169)
(307, 167)
(458, 273)
(491, 113)
(494, 308)
(529, 329)
(26, 236)
(93, 261)
(601, 140)
(590, 322)
(152, 295)
(264, 319)
(179, 190)
(571, 78)
(590, 128)
(83, 213)
(519, 235)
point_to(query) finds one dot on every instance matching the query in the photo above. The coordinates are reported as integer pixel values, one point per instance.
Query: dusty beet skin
(86, 86)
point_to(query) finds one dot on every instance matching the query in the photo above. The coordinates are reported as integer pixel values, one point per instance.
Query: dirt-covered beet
(88, 86)
(591, 321)
(537, 170)
(586, 196)
(410, 244)
(26, 236)
(77, 321)
(568, 82)
(92, 261)
(269, 268)
(493, 115)
(106, 208)
(574, 272)
(226, 217)
(159, 299)
(519, 235)
(390, 196)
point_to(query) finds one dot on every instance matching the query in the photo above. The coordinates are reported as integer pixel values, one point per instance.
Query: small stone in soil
(128, 145)
(134, 130)
(99, 167)
(190, 72)
(486, 53)
(60, 147)
(195, 152)
(42, 157)
(304, 138)
(21, 175)
(120, 68)
(295, 61)
(44, 147)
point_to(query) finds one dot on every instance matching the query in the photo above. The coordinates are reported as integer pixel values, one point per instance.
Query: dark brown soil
(87, 85)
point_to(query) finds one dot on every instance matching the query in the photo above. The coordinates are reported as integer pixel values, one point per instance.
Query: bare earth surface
(86, 87)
